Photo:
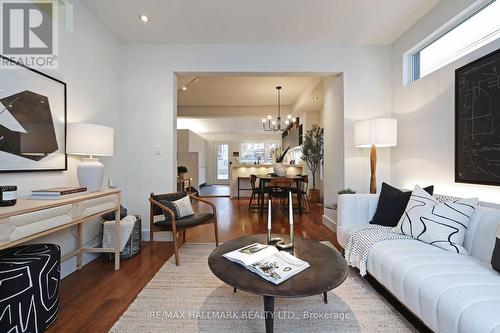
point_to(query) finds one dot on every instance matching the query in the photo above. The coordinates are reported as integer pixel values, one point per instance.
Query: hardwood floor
(94, 298)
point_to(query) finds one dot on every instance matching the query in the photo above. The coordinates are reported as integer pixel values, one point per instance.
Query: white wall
(89, 64)
(149, 93)
(191, 152)
(425, 113)
(334, 164)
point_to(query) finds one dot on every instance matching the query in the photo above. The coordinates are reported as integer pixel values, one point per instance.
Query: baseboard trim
(329, 223)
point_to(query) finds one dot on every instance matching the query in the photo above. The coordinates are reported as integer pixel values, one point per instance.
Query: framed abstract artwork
(32, 120)
(477, 121)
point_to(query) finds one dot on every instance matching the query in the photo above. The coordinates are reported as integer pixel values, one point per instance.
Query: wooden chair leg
(151, 227)
(151, 239)
(251, 199)
(216, 231)
(176, 250)
(183, 236)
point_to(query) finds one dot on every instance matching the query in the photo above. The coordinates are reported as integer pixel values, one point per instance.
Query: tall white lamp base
(90, 174)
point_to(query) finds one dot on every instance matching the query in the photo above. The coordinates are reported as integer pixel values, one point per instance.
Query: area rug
(189, 298)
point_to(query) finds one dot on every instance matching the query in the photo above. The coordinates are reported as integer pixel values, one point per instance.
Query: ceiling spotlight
(315, 98)
(184, 88)
(144, 18)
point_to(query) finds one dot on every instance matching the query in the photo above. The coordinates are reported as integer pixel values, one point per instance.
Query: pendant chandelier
(275, 125)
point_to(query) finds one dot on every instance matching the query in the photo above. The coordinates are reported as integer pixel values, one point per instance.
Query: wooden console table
(31, 219)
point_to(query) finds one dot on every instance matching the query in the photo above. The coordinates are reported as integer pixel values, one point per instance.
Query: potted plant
(347, 191)
(279, 154)
(312, 155)
(181, 171)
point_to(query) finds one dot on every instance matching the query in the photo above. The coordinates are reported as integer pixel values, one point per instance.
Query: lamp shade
(90, 139)
(379, 132)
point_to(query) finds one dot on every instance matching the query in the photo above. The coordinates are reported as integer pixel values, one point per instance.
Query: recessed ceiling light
(315, 98)
(144, 18)
(184, 88)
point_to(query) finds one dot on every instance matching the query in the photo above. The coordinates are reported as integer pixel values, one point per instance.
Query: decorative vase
(90, 174)
(279, 169)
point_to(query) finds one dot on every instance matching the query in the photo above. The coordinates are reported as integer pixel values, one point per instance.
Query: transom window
(255, 152)
(476, 27)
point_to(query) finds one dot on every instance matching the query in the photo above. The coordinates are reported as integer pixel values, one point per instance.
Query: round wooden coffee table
(327, 270)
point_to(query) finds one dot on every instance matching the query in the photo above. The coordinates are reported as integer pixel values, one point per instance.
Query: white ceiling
(260, 21)
(237, 103)
(240, 90)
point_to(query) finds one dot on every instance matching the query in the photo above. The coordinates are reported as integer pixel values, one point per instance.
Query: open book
(266, 261)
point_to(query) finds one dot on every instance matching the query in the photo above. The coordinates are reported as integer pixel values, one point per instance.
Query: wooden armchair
(174, 225)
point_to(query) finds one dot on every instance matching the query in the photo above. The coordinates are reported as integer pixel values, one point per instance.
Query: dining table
(267, 178)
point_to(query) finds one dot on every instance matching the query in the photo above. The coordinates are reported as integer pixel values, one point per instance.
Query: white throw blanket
(126, 227)
(360, 239)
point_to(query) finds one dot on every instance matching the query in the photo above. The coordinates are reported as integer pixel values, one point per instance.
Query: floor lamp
(375, 133)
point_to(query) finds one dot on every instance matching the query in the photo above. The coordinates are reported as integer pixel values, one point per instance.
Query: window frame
(254, 142)
(411, 58)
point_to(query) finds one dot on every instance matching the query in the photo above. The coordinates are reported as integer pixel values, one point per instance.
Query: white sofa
(449, 292)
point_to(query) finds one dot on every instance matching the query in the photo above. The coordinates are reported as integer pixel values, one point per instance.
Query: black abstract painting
(477, 121)
(32, 120)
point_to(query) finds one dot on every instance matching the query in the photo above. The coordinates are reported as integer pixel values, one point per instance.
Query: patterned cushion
(391, 205)
(181, 207)
(495, 259)
(439, 224)
(187, 222)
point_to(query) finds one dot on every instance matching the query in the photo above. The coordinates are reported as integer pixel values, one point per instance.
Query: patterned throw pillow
(184, 207)
(495, 259)
(181, 207)
(391, 205)
(439, 224)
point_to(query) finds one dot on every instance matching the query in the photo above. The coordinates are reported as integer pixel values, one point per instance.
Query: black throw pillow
(495, 259)
(391, 205)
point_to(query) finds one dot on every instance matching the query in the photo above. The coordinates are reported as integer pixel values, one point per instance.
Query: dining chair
(158, 219)
(304, 188)
(256, 192)
(279, 188)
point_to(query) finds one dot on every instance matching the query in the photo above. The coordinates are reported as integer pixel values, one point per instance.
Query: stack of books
(56, 193)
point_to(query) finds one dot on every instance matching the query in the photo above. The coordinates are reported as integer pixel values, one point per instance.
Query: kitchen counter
(245, 170)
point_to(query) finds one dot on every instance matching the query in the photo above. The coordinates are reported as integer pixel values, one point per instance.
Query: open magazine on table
(268, 262)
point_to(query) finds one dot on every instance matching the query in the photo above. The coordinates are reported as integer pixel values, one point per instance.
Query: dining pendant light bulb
(287, 122)
(289, 116)
(274, 123)
(263, 120)
(269, 117)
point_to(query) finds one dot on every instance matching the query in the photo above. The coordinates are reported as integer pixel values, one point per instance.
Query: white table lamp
(375, 133)
(90, 140)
